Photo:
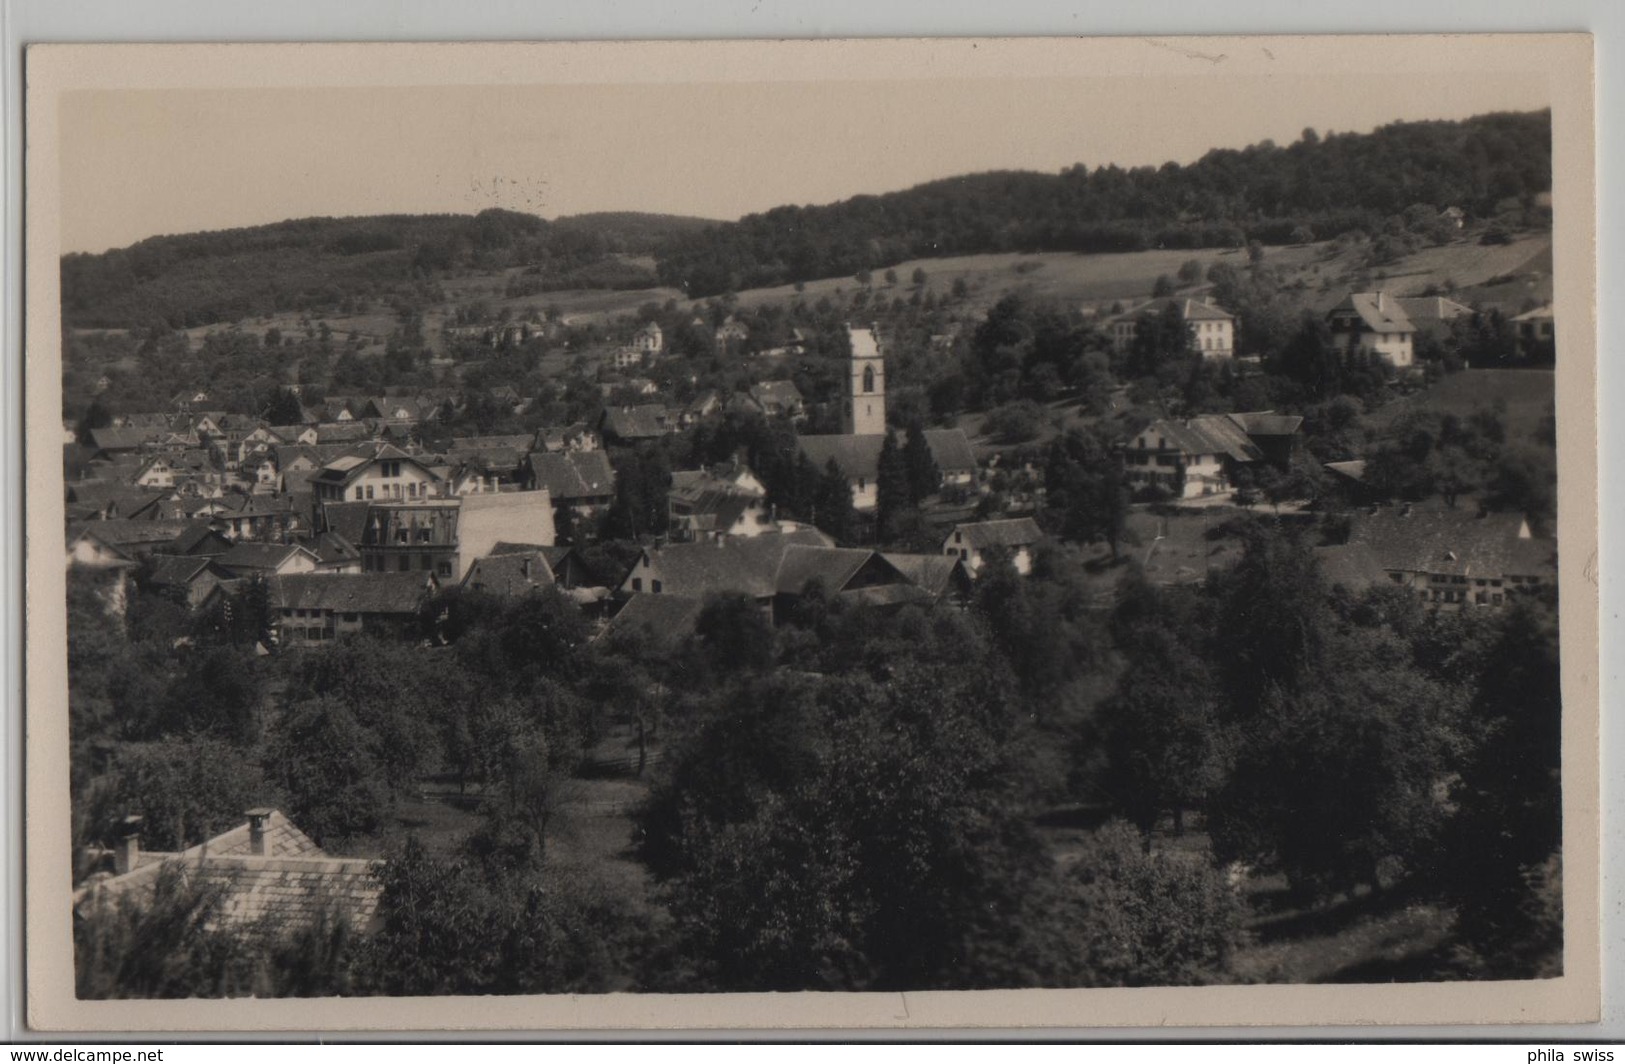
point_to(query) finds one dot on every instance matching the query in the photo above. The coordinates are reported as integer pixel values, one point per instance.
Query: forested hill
(1315, 188)
(317, 263)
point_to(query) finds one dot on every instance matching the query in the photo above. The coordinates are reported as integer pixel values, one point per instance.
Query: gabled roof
(1425, 311)
(1377, 311)
(177, 571)
(292, 885)
(1542, 313)
(951, 450)
(521, 442)
(1189, 310)
(855, 456)
(124, 532)
(1209, 434)
(198, 540)
(254, 557)
(376, 593)
(777, 393)
(664, 619)
(833, 567)
(934, 573)
(646, 421)
(1267, 423)
(749, 566)
(124, 439)
(512, 573)
(572, 474)
(1011, 532)
(1456, 542)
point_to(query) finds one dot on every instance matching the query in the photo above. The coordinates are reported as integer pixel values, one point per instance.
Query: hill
(1314, 189)
(631, 232)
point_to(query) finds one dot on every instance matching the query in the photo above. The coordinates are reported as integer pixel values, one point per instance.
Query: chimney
(258, 844)
(524, 568)
(127, 849)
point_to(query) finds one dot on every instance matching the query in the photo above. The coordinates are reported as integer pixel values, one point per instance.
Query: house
(581, 480)
(731, 501)
(973, 541)
(268, 872)
(134, 538)
(1537, 331)
(388, 473)
(779, 399)
(188, 580)
(1190, 459)
(1212, 328)
(631, 424)
(1450, 559)
(704, 405)
(87, 549)
(574, 437)
(108, 441)
(250, 560)
(731, 336)
(660, 622)
(315, 608)
(569, 571)
(510, 575)
(407, 537)
(747, 566)
(952, 453)
(1374, 323)
(649, 341)
(343, 431)
(1432, 315)
(200, 539)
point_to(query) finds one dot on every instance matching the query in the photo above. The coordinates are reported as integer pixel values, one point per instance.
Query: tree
(924, 478)
(1161, 733)
(1501, 851)
(1160, 339)
(891, 276)
(322, 758)
(1190, 272)
(918, 277)
(1144, 919)
(832, 503)
(892, 492)
(1163, 287)
(735, 634)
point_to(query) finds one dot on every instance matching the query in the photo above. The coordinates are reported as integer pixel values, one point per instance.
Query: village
(595, 612)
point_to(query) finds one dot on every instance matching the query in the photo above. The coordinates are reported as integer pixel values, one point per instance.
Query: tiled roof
(245, 557)
(664, 619)
(951, 450)
(1226, 437)
(1456, 542)
(855, 456)
(647, 421)
(930, 572)
(1380, 312)
(833, 567)
(175, 571)
(521, 443)
(125, 439)
(1267, 423)
(1431, 310)
(1013, 532)
(291, 886)
(378, 593)
(573, 474)
(125, 532)
(749, 566)
(1189, 310)
(510, 574)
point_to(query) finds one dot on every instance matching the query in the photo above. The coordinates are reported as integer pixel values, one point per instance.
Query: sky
(138, 163)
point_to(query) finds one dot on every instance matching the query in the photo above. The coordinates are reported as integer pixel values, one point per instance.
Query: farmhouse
(1450, 559)
(974, 541)
(582, 480)
(388, 473)
(315, 608)
(266, 870)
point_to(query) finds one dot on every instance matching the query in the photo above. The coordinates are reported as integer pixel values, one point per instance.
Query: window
(654, 585)
(637, 583)
(369, 491)
(423, 535)
(358, 494)
(352, 618)
(868, 378)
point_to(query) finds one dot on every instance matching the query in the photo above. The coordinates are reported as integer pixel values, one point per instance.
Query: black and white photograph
(864, 517)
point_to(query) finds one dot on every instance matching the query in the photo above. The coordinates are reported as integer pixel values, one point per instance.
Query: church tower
(865, 411)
